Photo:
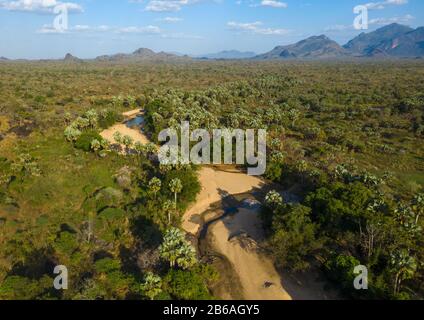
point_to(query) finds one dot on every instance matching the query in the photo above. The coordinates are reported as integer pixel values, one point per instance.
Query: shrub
(108, 118)
(186, 285)
(85, 139)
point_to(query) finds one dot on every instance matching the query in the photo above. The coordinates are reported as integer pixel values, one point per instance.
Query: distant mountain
(70, 58)
(377, 43)
(316, 47)
(408, 45)
(228, 55)
(142, 54)
(3, 59)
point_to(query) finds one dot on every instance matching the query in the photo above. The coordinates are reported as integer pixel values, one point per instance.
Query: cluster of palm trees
(177, 252)
(175, 185)
(88, 121)
(139, 148)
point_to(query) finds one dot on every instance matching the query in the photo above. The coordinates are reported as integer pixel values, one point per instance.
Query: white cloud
(256, 28)
(143, 30)
(273, 3)
(181, 36)
(170, 19)
(49, 29)
(167, 5)
(39, 6)
(383, 4)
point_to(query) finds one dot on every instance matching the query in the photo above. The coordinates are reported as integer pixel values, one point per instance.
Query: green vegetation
(346, 140)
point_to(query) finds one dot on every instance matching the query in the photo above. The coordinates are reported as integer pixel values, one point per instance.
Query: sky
(96, 27)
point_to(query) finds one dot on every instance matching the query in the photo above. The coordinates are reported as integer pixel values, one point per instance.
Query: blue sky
(98, 27)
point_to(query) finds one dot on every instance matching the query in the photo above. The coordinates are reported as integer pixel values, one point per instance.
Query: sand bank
(258, 278)
(215, 184)
(134, 133)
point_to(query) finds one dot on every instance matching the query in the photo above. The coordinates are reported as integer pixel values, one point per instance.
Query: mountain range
(391, 41)
(143, 54)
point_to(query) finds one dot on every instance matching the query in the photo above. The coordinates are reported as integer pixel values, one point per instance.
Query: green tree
(177, 250)
(151, 286)
(418, 206)
(404, 266)
(169, 207)
(273, 199)
(155, 185)
(117, 136)
(176, 186)
(127, 141)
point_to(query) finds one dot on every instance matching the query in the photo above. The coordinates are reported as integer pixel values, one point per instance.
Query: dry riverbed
(235, 236)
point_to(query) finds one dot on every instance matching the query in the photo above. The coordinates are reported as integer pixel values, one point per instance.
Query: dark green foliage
(186, 285)
(84, 141)
(293, 237)
(340, 269)
(108, 118)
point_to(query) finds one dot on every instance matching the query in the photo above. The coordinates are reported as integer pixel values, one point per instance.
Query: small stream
(138, 121)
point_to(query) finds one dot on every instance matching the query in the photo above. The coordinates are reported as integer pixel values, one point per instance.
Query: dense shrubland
(345, 139)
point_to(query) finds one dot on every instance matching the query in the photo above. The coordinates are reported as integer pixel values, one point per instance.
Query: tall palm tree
(176, 187)
(418, 206)
(127, 141)
(152, 285)
(155, 185)
(169, 207)
(404, 267)
(177, 250)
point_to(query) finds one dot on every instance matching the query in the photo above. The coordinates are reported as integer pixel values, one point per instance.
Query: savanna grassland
(346, 138)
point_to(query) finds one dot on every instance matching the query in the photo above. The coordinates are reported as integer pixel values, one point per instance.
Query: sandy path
(214, 184)
(253, 269)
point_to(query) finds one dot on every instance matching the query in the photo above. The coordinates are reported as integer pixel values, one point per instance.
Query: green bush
(340, 269)
(186, 285)
(109, 118)
(85, 139)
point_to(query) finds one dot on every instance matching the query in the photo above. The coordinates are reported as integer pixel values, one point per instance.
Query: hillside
(316, 47)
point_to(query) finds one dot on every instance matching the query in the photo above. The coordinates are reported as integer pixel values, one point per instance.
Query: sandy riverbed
(258, 278)
(215, 184)
(134, 133)
(256, 273)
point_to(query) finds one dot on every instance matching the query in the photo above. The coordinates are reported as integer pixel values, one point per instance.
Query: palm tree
(96, 145)
(169, 207)
(72, 134)
(152, 285)
(177, 250)
(302, 167)
(117, 136)
(176, 187)
(294, 115)
(404, 267)
(273, 199)
(155, 185)
(92, 118)
(418, 206)
(127, 141)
